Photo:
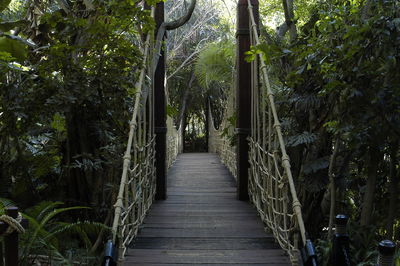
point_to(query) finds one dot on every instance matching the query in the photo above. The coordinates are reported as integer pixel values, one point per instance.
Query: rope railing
(174, 141)
(218, 142)
(271, 186)
(137, 184)
(12, 225)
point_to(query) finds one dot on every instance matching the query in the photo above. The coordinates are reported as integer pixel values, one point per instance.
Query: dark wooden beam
(11, 240)
(160, 117)
(243, 96)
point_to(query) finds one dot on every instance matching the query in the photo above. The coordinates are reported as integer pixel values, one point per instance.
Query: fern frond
(303, 138)
(38, 224)
(83, 229)
(38, 211)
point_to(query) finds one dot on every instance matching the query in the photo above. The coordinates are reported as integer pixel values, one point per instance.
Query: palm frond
(82, 229)
(40, 233)
(215, 63)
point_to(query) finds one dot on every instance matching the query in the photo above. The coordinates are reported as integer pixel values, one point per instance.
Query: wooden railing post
(243, 95)
(160, 117)
(341, 241)
(10, 255)
(11, 240)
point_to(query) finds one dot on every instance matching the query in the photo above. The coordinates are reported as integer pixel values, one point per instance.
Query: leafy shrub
(58, 243)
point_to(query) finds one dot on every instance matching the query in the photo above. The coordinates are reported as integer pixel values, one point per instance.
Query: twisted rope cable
(14, 224)
(137, 184)
(218, 142)
(271, 183)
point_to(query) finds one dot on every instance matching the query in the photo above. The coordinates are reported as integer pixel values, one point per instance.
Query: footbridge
(236, 204)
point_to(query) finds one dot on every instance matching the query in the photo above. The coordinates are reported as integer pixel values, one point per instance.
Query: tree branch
(196, 51)
(17, 38)
(289, 18)
(172, 25)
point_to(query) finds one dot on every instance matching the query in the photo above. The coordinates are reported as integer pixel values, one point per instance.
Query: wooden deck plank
(201, 222)
(212, 243)
(274, 257)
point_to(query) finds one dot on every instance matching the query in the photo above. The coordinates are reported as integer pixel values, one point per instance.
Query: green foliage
(9, 25)
(272, 11)
(76, 85)
(215, 64)
(58, 123)
(229, 131)
(49, 237)
(64, 105)
(339, 80)
(4, 203)
(363, 245)
(324, 251)
(303, 138)
(172, 111)
(4, 4)
(13, 47)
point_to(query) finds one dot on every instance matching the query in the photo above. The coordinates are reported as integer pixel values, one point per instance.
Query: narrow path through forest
(202, 222)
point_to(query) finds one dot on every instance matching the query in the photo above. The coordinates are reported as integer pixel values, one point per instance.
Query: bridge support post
(160, 117)
(243, 95)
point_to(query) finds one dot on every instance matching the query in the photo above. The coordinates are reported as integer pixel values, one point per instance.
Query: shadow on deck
(201, 222)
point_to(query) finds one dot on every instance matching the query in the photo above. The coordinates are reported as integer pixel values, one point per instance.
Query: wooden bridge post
(160, 117)
(243, 95)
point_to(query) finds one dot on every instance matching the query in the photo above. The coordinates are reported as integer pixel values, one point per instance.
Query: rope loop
(14, 224)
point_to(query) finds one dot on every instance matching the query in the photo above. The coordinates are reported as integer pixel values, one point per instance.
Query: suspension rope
(219, 141)
(285, 158)
(14, 224)
(271, 186)
(137, 184)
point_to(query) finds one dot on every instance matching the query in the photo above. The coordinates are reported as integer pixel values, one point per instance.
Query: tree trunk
(289, 20)
(393, 191)
(368, 201)
(206, 124)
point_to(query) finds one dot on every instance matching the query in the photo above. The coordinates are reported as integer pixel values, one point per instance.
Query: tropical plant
(58, 243)
(215, 64)
(339, 91)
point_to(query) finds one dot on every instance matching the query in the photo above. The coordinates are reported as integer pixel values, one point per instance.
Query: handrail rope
(14, 224)
(132, 193)
(174, 136)
(277, 126)
(220, 144)
(127, 156)
(174, 140)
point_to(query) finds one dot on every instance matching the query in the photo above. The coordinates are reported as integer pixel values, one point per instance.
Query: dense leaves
(341, 89)
(67, 77)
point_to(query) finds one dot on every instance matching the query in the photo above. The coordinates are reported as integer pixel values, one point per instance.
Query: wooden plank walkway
(201, 222)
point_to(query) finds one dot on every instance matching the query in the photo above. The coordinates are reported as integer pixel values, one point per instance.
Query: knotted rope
(14, 224)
